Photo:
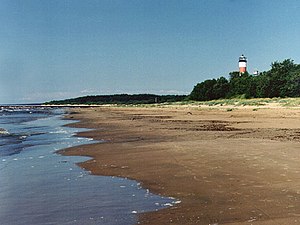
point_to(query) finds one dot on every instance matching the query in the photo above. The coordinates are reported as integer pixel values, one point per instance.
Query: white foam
(168, 204)
(59, 132)
(3, 131)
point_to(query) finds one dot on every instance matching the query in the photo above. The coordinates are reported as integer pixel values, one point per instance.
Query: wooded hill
(282, 80)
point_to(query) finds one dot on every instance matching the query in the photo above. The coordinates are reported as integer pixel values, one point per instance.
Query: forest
(282, 80)
(120, 99)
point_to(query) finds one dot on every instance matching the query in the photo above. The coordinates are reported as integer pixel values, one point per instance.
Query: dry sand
(227, 167)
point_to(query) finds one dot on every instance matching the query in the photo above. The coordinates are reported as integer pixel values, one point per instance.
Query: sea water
(38, 186)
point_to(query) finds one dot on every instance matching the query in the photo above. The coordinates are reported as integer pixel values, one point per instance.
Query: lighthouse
(242, 64)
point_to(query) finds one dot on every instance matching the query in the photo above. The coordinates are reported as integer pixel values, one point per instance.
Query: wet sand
(232, 167)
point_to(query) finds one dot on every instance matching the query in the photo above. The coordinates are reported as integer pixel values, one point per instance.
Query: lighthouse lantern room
(242, 64)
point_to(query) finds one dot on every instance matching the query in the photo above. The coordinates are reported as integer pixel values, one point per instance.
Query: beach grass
(233, 102)
(257, 102)
(219, 103)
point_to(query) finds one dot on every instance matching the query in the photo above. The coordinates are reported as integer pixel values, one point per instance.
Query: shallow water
(38, 186)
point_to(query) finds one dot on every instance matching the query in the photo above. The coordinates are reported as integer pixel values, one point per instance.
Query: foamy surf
(50, 189)
(3, 132)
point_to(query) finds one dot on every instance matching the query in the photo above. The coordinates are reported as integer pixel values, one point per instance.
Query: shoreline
(231, 167)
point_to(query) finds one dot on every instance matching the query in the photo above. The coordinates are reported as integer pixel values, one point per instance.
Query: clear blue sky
(56, 49)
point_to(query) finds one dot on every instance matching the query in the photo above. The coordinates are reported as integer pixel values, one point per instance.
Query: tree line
(120, 99)
(282, 80)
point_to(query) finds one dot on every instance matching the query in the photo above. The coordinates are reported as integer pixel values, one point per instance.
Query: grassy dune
(284, 102)
(234, 102)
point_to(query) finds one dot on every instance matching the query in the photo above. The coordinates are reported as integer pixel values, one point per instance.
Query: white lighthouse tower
(242, 64)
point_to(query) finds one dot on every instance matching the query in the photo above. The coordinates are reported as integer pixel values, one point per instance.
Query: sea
(39, 186)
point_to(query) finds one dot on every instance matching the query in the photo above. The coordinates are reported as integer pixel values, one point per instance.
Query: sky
(58, 49)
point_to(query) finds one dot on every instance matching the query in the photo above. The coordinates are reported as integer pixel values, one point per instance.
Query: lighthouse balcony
(242, 58)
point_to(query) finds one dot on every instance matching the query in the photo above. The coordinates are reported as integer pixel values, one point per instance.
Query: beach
(222, 165)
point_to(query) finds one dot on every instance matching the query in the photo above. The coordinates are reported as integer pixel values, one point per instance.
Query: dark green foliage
(221, 88)
(243, 84)
(204, 91)
(121, 99)
(282, 80)
(210, 89)
(292, 87)
(234, 74)
(275, 80)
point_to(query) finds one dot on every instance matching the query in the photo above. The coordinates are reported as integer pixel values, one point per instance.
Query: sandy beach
(226, 166)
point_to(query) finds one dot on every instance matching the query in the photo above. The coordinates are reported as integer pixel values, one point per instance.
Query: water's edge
(71, 122)
(39, 185)
(171, 201)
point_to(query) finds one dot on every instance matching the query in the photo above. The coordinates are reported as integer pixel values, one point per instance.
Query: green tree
(234, 74)
(262, 85)
(203, 91)
(278, 77)
(292, 87)
(282, 80)
(221, 88)
(243, 84)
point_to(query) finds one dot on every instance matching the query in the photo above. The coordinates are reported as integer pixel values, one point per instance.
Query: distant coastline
(119, 99)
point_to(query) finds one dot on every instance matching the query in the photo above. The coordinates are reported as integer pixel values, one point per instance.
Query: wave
(25, 109)
(4, 132)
